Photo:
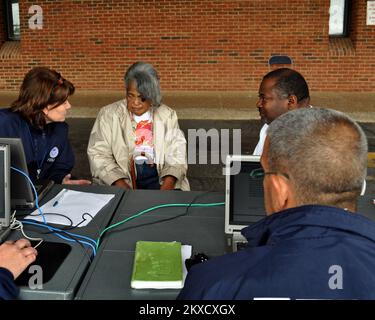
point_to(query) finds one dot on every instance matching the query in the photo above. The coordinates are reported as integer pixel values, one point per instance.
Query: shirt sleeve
(262, 137)
(8, 289)
(191, 289)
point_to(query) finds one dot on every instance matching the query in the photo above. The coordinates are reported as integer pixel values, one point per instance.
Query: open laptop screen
(22, 195)
(21, 191)
(244, 194)
(4, 186)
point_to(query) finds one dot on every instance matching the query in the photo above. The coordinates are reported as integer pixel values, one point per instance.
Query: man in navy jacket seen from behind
(312, 244)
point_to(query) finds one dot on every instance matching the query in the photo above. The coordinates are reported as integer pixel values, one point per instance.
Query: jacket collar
(305, 221)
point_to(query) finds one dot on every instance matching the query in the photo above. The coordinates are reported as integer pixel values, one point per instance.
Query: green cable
(154, 208)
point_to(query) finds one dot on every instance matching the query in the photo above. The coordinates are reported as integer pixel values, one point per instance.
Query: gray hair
(323, 151)
(146, 79)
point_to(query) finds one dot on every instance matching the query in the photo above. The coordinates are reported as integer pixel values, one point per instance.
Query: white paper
(185, 254)
(80, 207)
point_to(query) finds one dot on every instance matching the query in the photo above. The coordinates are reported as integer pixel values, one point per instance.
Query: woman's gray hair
(323, 151)
(146, 79)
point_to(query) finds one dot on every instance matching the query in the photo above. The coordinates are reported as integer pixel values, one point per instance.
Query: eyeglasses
(259, 173)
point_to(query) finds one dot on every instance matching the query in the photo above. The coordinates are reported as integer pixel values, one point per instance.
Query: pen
(59, 198)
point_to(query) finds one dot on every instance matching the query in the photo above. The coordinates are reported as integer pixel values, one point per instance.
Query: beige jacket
(111, 145)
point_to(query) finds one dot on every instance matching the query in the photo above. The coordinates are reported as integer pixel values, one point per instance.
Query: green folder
(157, 265)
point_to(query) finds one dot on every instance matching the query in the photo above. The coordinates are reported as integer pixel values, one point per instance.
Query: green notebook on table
(157, 265)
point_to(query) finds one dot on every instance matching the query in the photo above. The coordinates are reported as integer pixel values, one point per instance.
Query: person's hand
(16, 256)
(122, 184)
(67, 180)
(169, 183)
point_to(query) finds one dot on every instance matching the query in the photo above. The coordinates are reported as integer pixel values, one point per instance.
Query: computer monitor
(21, 194)
(4, 186)
(244, 197)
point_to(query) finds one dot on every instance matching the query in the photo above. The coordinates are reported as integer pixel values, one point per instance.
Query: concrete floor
(206, 177)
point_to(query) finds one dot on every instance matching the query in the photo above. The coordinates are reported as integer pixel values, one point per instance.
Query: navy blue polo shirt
(49, 154)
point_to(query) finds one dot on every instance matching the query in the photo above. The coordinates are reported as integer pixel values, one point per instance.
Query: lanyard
(34, 145)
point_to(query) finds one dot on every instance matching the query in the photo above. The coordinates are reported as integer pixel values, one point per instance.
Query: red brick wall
(195, 45)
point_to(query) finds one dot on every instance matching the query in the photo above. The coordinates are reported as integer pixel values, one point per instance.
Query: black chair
(279, 61)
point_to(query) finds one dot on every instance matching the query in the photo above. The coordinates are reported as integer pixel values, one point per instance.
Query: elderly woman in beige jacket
(136, 142)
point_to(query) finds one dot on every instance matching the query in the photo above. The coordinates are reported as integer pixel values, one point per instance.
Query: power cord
(57, 231)
(171, 218)
(55, 214)
(17, 225)
(155, 208)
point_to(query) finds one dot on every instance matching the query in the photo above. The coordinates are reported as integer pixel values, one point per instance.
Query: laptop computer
(4, 191)
(244, 204)
(21, 193)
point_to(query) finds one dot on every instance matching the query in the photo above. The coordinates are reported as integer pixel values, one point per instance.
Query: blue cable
(35, 193)
(44, 219)
(61, 230)
(26, 221)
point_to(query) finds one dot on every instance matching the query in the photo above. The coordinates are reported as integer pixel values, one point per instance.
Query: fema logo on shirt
(53, 154)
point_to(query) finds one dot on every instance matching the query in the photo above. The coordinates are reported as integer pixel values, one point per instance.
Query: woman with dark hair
(38, 118)
(136, 142)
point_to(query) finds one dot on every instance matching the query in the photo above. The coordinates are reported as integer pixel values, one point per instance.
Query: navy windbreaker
(48, 151)
(8, 289)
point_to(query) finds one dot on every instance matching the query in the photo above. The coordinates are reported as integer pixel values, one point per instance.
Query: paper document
(72, 208)
(186, 251)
